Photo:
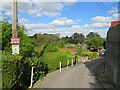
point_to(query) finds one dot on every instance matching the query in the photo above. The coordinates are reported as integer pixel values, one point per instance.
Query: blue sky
(64, 18)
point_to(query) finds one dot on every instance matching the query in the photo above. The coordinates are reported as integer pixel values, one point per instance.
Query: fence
(112, 67)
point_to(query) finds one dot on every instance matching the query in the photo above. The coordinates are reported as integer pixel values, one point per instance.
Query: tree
(65, 39)
(95, 43)
(70, 40)
(92, 35)
(26, 45)
(78, 38)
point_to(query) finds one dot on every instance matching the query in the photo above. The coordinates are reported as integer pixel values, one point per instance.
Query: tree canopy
(92, 35)
(95, 43)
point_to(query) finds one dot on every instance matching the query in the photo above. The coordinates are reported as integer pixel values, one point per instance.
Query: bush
(9, 69)
(51, 48)
(91, 55)
(16, 70)
(53, 59)
(85, 53)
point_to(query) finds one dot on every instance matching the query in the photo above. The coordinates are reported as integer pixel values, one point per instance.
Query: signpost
(15, 49)
(15, 45)
(14, 40)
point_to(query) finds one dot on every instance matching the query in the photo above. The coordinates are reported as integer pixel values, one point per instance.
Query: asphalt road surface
(78, 76)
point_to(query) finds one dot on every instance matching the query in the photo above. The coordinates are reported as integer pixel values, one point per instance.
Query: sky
(63, 18)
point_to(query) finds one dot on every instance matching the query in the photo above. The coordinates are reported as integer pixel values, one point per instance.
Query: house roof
(114, 23)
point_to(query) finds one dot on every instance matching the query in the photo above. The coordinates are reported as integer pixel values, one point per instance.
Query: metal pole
(14, 19)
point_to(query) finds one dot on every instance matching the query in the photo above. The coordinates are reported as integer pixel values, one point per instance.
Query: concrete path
(78, 76)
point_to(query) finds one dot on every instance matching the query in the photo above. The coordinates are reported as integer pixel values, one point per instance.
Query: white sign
(15, 49)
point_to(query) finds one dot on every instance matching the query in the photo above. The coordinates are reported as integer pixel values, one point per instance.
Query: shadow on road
(92, 67)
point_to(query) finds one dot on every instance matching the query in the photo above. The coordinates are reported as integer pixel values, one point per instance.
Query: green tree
(95, 43)
(78, 38)
(6, 34)
(92, 35)
(65, 39)
(26, 45)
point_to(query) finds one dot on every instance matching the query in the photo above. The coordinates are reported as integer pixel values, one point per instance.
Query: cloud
(23, 21)
(47, 9)
(113, 10)
(116, 17)
(97, 25)
(76, 27)
(69, 31)
(63, 22)
(102, 19)
(37, 9)
(38, 26)
(6, 8)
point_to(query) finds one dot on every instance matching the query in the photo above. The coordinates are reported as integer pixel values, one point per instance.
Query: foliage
(51, 48)
(6, 35)
(26, 45)
(82, 48)
(16, 68)
(92, 35)
(95, 43)
(43, 39)
(40, 51)
(53, 59)
(78, 38)
(9, 69)
(91, 55)
(75, 38)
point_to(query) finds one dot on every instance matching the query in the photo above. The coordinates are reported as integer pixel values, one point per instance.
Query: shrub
(51, 48)
(91, 55)
(53, 59)
(85, 53)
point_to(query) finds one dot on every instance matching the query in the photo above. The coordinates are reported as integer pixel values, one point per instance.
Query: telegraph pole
(14, 40)
(14, 19)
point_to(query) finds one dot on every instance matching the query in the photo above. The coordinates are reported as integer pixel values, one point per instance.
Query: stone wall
(112, 67)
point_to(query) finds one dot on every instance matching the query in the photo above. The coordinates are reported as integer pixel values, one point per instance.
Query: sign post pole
(14, 40)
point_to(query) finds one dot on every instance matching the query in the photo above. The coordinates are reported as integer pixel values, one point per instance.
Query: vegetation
(17, 68)
(94, 44)
(75, 38)
(90, 55)
(41, 51)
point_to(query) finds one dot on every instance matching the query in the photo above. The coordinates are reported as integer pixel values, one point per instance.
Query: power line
(103, 7)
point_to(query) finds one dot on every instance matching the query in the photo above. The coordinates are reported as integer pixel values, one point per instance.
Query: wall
(112, 67)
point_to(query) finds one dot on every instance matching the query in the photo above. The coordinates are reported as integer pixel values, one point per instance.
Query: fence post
(67, 64)
(60, 66)
(72, 62)
(31, 84)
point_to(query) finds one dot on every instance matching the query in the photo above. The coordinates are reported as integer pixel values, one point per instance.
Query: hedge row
(91, 55)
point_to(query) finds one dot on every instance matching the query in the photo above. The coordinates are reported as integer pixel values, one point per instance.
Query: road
(78, 76)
